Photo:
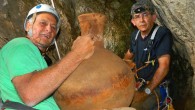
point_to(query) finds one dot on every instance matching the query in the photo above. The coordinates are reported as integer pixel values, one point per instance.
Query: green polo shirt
(18, 57)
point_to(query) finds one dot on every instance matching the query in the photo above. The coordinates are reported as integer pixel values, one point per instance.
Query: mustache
(141, 24)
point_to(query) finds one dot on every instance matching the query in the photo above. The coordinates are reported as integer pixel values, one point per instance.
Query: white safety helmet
(43, 8)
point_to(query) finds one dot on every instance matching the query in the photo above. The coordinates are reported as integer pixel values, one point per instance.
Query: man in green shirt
(24, 73)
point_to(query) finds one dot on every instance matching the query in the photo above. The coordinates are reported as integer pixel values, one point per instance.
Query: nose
(142, 17)
(48, 28)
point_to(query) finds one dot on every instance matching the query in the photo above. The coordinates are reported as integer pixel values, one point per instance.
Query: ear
(133, 22)
(28, 26)
(154, 16)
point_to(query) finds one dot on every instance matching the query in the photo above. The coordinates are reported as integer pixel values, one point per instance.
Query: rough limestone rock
(101, 82)
(178, 16)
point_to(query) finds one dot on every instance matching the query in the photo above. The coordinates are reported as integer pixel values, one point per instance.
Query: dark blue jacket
(161, 45)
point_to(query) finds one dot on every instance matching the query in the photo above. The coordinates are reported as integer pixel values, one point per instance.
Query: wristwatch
(147, 91)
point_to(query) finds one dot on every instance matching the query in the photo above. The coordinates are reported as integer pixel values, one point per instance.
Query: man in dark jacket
(150, 50)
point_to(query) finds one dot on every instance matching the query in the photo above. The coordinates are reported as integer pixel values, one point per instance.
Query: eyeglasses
(141, 15)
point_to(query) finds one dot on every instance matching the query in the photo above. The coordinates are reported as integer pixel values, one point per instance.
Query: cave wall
(177, 15)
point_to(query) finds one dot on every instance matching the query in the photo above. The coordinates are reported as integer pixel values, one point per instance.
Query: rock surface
(178, 16)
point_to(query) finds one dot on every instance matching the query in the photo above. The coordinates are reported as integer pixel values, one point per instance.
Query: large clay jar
(103, 81)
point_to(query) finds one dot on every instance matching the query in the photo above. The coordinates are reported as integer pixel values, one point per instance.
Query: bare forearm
(161, 72)
(42, 83)
(36, 86)
(158, 78)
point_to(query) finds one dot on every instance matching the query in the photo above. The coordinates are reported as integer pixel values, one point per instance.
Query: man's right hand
(84, 46)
